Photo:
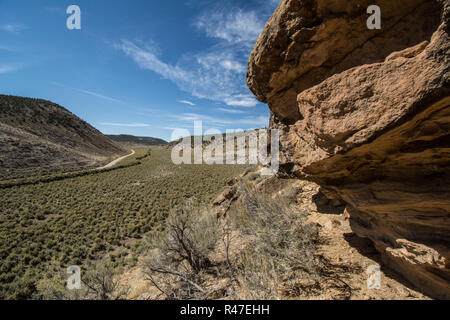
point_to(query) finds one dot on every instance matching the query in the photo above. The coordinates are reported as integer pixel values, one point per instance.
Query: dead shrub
(179, 257)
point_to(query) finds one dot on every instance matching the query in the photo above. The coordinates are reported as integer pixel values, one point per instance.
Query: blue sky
(141, 67)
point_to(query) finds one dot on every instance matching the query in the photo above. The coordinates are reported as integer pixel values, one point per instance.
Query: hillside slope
(38, 135)
(126, 139)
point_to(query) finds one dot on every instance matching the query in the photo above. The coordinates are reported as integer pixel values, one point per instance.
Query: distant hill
(132, 140)
(38, 135)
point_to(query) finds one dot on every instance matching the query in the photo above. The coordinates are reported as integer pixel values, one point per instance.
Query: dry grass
(268, 250)
(98, 283)
(283, 248)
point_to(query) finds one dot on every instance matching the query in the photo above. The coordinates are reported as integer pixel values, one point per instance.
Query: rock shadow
(328, 206)
(366, 248)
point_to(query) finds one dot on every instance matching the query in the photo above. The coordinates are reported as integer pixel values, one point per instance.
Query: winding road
(113, 163)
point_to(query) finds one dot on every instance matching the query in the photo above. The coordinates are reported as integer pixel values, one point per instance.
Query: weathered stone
(365, 114)
(228, 194)
(223, 202)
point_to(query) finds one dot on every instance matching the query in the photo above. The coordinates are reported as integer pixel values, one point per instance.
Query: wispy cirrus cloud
(235, 26)
(218, 73)
(176, 127)
(91, 93)
(233, 111)
(145, 58)
(214, 75)
(186, 102)
(124, 125)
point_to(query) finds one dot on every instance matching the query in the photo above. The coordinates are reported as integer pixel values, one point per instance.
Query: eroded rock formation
(365, 114)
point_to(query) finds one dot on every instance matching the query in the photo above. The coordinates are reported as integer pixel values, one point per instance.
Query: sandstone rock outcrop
(365, 114)
(224, 200)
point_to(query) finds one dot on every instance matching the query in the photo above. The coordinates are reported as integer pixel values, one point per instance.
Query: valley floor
(101, 216)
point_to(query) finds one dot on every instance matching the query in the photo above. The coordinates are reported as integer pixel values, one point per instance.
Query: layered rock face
(366, 115)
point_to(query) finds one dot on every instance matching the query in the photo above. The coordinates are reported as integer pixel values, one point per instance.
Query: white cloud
(241, 100)
(131, 125)
(225, 60)
(232, 65)
(216, 75)
(172, 128)
(186, 102)
(233, 111)
(233, 26)
(95, 94)
(146, 59)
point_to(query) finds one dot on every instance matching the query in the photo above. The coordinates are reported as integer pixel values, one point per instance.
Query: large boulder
(365, 114)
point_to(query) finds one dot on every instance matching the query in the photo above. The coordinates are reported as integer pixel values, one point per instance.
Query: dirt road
(113, 163)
